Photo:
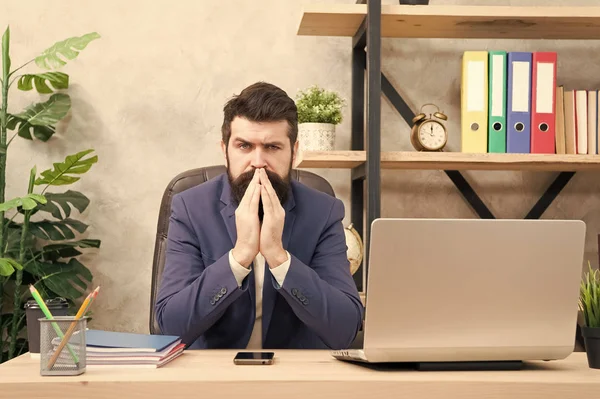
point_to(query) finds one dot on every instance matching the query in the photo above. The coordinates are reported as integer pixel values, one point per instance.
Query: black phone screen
(255, 355)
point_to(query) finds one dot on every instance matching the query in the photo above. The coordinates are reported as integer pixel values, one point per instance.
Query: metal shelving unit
(367, 22)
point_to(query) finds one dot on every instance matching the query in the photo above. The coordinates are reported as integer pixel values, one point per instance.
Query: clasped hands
(253, 238)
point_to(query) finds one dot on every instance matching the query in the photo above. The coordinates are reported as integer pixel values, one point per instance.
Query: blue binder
(518, 103)
(141, 342)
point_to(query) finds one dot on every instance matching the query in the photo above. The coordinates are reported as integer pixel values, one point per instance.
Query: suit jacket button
(212, 301)
(223, 291)
(294, 292)
(305, 301)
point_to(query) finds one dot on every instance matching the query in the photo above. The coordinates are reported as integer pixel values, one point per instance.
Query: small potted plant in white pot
(319, 111)
(589, 304)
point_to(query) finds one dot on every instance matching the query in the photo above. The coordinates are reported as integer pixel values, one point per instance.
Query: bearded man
(254, 259)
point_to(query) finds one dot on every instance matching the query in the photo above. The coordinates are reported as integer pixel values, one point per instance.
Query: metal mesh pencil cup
(71, 359)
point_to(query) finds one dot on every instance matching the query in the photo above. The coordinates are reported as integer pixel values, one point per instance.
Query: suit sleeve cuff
(239, 271)
(280, 271)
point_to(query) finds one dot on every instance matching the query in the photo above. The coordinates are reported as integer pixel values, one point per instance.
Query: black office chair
(182, 182)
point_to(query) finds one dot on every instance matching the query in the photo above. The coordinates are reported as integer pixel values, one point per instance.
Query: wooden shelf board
(332, 159)
(440, 21)
(467, 161)
(453, 161)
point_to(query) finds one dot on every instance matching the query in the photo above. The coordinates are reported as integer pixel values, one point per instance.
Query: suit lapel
(228, 211)
(269, 292)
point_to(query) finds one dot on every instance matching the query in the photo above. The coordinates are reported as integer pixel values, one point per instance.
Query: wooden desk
(299, 374)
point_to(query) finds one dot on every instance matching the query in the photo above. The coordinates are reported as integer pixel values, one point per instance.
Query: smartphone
(254, 358)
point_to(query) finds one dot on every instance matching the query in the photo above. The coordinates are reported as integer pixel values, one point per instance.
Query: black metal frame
(369, 174)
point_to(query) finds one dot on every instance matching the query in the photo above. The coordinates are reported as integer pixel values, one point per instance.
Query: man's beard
(240, 184)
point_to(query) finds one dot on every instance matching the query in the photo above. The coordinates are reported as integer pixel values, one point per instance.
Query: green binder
(497, 101)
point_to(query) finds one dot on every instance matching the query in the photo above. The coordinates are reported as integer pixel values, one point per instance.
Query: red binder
(543, 102)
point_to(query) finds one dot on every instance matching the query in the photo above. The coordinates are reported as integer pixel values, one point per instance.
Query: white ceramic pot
(316, 136)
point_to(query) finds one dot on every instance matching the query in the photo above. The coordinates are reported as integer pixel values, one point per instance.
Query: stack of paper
(119, 349)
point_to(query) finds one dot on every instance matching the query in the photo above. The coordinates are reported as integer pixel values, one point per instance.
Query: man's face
(254, 145)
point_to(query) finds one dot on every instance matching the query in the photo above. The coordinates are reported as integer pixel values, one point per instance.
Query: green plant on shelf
(317, 105)
(589, 300)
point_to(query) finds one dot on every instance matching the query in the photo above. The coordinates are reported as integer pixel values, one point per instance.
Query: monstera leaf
(38, 119)
(67, 280)
(60, 201)
(28, 202)
(73, 164)
(28, 131)
(68, 49)
(57, 231)
(58, 80)
(54, 252)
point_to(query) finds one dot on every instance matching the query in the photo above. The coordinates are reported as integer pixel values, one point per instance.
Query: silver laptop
(471, 290)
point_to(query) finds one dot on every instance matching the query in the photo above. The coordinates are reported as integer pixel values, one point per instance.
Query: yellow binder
(474, 101)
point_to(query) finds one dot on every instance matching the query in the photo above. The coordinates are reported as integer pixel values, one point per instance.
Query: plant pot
(316, 136)
(591, 338)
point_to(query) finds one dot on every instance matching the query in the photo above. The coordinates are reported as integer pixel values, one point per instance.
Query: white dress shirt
(240, 273)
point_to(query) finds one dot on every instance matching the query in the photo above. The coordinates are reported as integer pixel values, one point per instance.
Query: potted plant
(589, 304)
(38, 231)
(319, 111)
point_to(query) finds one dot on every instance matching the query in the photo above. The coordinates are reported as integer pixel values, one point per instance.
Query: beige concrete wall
(148, 98)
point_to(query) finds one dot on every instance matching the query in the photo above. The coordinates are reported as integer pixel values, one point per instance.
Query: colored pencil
(80, 313)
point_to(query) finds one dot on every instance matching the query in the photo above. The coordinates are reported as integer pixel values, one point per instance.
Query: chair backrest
(182, 182)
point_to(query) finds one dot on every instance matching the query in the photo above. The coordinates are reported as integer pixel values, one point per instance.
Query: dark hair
(261, 102)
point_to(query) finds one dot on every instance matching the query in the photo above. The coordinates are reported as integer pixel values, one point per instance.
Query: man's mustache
(241, 183)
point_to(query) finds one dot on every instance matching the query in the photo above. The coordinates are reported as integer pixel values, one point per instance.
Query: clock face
(432, 135)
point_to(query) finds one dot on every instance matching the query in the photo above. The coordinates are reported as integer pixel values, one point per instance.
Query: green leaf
(8, 266)
(38, 119)
(69, 49)
(8, 205)
(26, 129)
(319, 106)
(58, 80)
(28, 202)
(53, 252)
(57, 231)
(58, 201)
(5, 52)
(68, 280)
(589, 299)
(49, 112)
(73, 164)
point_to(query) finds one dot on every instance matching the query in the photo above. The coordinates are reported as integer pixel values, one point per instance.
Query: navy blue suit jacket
(318, 305)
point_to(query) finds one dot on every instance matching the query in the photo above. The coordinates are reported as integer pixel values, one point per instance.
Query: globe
(355, 248)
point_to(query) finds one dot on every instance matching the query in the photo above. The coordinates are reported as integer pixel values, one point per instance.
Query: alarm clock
(428, 132)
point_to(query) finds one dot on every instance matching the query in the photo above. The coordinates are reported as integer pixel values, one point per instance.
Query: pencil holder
(62, 346)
